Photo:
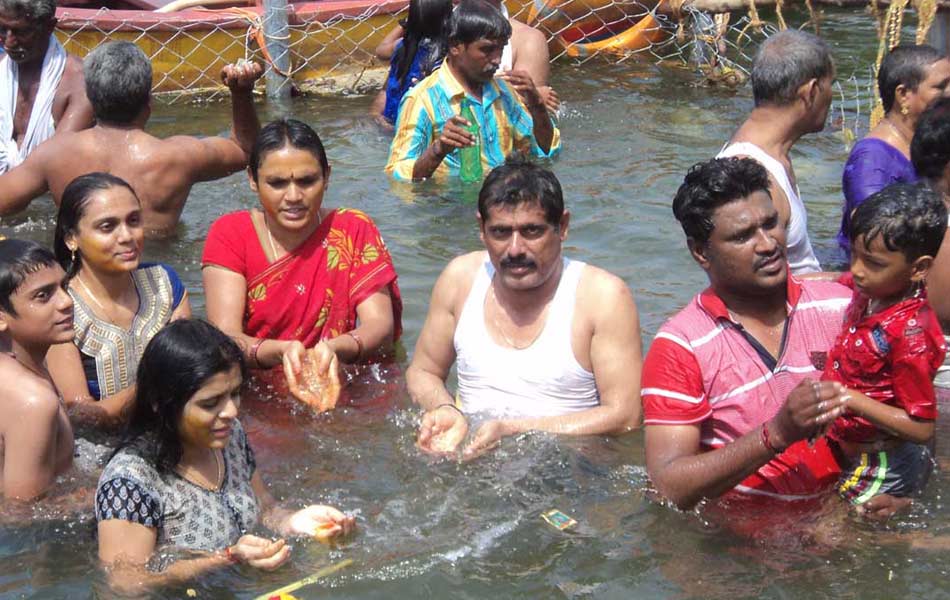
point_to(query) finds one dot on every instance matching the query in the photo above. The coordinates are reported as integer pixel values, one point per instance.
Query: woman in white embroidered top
(120, 303)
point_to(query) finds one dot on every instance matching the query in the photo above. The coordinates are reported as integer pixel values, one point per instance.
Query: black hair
(930, 148)
(711, 184)
(910, 218)
(904, 64)
(18, 260)
(428, 19)
(786, 61)
(178, 360)
(474, 20)
(282, 133)
(72, 207)
(518, 181)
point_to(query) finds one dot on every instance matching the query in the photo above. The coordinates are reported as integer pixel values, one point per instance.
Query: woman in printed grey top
(185, 476)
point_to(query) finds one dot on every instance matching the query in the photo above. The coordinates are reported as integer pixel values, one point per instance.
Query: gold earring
(72, 257)
(904, 109)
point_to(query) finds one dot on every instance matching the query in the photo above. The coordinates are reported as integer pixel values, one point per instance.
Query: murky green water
(473, 531)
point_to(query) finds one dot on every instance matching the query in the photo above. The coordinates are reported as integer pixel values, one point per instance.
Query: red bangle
(766, 440)
(231, 558)
(253, 353)
(359, 345)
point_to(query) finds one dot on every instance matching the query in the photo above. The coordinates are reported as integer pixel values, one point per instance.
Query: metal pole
(939, 35)
(277, 34)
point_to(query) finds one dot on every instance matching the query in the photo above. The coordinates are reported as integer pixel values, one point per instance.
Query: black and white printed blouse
(187, 516)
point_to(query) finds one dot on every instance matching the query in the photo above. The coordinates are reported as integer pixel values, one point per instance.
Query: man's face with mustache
(523, 246)
(23, 39)
(745, 253)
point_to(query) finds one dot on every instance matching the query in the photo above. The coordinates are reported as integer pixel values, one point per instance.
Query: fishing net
(329, 47)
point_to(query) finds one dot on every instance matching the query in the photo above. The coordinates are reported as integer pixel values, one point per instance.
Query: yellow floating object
(587, 27)
(284, 592)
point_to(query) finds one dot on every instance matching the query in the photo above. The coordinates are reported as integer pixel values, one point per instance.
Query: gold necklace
(91, 296)
(197, 477)
(896, 130)
(501, 330)
(270, 236)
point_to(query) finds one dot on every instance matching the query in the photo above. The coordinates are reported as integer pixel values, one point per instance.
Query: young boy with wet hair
(36, 439)
(890, 346)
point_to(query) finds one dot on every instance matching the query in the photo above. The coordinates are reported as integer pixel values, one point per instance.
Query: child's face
(44, 310)
(879, 273)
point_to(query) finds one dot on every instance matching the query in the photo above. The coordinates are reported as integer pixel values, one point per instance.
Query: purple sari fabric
(872, 166)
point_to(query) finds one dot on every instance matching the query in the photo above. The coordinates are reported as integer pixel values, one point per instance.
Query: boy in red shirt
(890, 346)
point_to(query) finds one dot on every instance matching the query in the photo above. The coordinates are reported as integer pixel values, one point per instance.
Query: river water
(441, 529)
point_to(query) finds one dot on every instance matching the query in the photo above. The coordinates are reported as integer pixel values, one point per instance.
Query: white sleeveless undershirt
(801, 257)
(541, 380)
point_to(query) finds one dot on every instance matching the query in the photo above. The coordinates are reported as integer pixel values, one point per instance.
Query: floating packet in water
(557, 519)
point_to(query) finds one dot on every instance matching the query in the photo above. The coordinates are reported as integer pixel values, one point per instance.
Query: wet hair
(474, 20)
(519, 181)
(910, 218)
(40, 11)
(282, 133)
(72, 208)
(118, 81)
(711, 184)
(786, 61)
(178, 360)
(18, 260)
(428, 19)
(930, 148)
(905, 64)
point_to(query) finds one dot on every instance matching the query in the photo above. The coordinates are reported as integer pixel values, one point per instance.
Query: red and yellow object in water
(587, 27)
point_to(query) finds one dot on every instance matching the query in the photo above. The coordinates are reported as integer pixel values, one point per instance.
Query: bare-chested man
(162, 171)
(540, 342)
(36, 439)
(41, 86)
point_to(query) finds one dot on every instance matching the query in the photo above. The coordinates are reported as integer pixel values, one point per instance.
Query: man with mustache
(540, 342)
(41, 86)
(510, 113)
(730, 390)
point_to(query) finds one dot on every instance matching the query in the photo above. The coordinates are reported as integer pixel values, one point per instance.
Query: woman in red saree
(292, 275)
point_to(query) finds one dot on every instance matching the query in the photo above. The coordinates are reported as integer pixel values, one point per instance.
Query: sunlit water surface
(441, 529)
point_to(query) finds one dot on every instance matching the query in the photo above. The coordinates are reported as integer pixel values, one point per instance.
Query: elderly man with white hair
(41, 86)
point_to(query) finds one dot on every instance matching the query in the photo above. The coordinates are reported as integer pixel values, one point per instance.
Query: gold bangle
(359, 345)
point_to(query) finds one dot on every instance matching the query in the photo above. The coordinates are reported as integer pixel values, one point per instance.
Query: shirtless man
(50, 93)
(534, 345)
(162, 171)
(791, 84)
(35, 313)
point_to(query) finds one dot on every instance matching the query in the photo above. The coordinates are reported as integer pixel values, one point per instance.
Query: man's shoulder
(818, 293)
(464, 267)
(525, 33)
(32, 397)
(601, 284)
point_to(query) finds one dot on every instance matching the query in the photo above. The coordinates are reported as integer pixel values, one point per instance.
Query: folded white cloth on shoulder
(41, 126)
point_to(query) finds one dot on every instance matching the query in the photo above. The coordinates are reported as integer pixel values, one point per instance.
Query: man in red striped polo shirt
(730, 391)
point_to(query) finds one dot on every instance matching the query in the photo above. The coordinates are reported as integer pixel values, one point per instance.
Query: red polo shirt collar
(713, 304)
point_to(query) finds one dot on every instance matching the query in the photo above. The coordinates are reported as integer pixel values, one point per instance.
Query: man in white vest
(540, 342)
(791, 86)
(41, 86)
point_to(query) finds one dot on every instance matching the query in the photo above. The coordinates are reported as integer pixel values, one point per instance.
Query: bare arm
(891, 418)
(376, 328)
(23, 183)
(225, 293)
(435, 349)
(214, 157)
(65, 367)
(685, 474)
(29, 462)
(386, 48)
(77, 114)
(530, 54)
(126, 547)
